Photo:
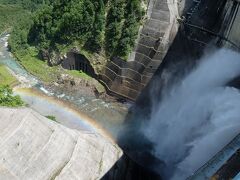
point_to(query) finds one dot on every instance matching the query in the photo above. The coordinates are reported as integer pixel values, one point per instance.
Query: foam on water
(196, 117)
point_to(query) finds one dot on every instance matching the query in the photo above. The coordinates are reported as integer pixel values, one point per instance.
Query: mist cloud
(197, 116)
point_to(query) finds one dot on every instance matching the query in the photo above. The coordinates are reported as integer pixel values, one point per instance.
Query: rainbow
(67, 107)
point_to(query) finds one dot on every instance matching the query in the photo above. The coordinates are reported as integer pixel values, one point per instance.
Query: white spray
(197, 117)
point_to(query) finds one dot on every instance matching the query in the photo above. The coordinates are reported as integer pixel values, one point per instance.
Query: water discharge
(196, 117)
(193, 121)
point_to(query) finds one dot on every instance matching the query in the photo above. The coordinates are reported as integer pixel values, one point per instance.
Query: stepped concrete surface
(33, 147)
(127, 79)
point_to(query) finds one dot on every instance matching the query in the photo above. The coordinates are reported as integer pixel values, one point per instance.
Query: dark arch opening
(78, 62)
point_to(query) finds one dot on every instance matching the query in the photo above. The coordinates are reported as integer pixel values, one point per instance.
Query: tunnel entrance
(78, 62)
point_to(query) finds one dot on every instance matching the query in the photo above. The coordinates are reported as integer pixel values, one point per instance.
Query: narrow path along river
(81, 112)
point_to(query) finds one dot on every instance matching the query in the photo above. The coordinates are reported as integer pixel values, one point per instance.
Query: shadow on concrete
(187, 48)
(125, 168)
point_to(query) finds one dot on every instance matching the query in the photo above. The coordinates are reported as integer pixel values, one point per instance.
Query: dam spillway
(204, 22)
(203, 27)
(155, 37)
(32, 147)
(184, 54)
(189, 43)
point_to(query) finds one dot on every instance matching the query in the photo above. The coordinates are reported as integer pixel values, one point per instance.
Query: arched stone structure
(76, 61)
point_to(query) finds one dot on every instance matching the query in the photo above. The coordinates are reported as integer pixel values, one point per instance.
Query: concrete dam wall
(172, 24)
(197, 22)
(205, 23)
(33, 147)
(127, 79)
(203, 29)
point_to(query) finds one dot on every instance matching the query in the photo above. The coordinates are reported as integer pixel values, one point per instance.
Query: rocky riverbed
(83, 95)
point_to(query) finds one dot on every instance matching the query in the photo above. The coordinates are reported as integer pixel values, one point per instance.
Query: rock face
(76, 85)
(33, 147)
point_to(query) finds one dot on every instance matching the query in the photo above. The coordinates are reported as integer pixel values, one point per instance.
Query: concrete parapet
(33, 147)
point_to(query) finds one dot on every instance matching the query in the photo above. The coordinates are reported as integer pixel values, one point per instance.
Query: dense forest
(30, 5)
(10, 15)
(108, 26)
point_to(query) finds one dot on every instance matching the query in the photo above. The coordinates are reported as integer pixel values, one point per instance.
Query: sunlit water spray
(196, 117)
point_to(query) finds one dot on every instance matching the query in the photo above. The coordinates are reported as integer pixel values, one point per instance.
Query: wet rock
(72, 82)
(52, 57)
(64, 79)
(75, 85)
(56, 84)
(43, 54)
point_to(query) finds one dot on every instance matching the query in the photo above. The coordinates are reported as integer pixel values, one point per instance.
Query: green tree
(41, 31)
(31, 5)
(77, 22)
(8, 99)
(110, 25)
(18, 40)
(95, 41)
(114, 25)
(133, 15)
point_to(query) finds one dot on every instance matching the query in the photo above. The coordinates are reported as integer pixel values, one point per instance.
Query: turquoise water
(7, 59)
(109, 115)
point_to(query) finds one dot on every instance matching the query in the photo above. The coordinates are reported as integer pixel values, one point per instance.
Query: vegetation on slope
(11, 13)
(10, 16)
(14, 11)
(8, 99)
(6, 95)
(122, 26)
(26, 4)
(53, 118)
(29, 60)
(6, 78)
(109, 26)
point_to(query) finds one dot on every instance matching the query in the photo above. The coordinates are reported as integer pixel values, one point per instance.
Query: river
(78, 112)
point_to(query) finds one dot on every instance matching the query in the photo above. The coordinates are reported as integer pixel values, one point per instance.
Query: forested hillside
(14, 12)
(107, 26)
(10, 15)
(26, 4)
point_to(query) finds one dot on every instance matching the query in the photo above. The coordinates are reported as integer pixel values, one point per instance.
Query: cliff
(33, 147)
